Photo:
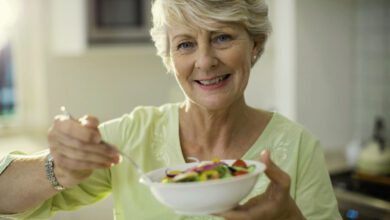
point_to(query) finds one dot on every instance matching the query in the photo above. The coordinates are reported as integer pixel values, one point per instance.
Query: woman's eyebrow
(215, 30)
(180, 35)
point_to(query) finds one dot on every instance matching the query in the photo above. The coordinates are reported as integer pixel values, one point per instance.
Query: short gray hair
(252, 14)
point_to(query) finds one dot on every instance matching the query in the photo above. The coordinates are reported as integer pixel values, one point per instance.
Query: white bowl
(202, 198)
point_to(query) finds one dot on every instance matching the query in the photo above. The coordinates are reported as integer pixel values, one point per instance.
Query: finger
(67, 163)
(74, 129)
(79, 154)
(255, 201)
(89, 121)
(273, 172)
(233, 215)
(93, 123)
(103, 149)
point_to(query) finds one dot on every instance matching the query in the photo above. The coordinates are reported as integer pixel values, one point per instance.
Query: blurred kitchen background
(326, 66)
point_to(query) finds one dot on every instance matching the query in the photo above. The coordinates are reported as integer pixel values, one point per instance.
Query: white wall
(29, 54)
(325, 75)
(108, 82)
(372, 67)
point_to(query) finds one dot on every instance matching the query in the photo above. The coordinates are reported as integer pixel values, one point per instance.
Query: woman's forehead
(188, 29)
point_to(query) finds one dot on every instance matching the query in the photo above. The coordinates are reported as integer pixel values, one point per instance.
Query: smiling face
(212, 66)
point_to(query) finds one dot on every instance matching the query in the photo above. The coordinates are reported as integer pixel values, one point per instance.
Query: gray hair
(252, 14)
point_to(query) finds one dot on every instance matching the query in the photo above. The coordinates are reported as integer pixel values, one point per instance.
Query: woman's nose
(206, 59)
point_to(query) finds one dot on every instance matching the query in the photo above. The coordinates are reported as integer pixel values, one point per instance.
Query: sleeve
(128, 128)
(7, 160)
(314, 195)
(93, 189)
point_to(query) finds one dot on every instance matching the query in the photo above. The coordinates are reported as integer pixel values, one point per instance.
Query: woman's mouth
(214, 81)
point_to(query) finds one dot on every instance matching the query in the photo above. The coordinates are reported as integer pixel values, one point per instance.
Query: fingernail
(263, 156)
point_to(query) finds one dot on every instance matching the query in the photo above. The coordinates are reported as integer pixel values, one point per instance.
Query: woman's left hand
(275, 203)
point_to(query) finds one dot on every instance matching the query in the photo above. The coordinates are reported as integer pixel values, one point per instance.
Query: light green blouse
(151, 136)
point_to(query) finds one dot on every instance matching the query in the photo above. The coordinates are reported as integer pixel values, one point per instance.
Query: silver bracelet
(49, 167)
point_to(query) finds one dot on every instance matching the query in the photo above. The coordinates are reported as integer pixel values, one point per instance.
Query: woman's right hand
(77, 149)
(275, 203)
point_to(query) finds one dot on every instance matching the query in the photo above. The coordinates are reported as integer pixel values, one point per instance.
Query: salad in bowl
(208, 170)
(206, 187)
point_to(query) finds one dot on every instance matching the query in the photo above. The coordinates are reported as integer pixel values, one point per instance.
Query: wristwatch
(49, 167)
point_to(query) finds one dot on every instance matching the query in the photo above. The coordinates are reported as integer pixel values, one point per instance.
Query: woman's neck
(219, 133)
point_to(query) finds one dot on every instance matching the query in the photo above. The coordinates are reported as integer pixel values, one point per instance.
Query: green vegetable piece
(251, 168)
(166, 180)
(209, 174)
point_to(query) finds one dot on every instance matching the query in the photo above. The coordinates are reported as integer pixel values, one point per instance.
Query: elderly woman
(210, 47)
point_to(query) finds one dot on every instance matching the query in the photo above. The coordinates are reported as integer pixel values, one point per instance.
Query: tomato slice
(239, 173)
(239, 163)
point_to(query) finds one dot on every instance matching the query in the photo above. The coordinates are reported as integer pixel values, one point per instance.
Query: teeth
(212, 81)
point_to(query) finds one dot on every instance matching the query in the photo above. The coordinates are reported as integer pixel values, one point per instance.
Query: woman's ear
(258, 46)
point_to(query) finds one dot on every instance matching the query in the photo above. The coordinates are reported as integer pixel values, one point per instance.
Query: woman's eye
(223, 38)
(185, 45)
